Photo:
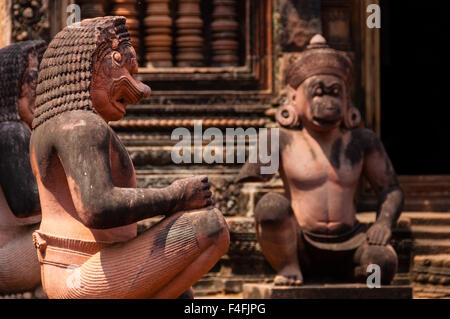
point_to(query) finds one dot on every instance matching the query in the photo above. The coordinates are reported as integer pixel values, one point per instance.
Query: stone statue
(312, 230)
(19, 199)
(87, 243)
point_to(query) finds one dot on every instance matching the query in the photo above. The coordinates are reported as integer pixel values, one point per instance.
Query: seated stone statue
(312, 229)
(87, 242)
(19, 199)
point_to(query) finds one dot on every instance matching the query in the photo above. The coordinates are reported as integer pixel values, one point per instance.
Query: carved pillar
(92, 8)
(5, 23)
(127, 8)
(158, 29)
(224, 28)
(189, 34)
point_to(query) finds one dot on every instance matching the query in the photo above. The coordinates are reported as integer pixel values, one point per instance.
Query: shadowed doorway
(415, 85)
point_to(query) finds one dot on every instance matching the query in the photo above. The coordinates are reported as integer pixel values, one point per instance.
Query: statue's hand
(379, 234)
(195, 192)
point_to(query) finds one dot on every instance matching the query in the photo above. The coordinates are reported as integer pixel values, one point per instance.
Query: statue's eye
(117, 57)
(318, 91)
(336, 91)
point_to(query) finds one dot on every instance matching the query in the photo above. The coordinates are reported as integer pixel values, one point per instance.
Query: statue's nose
(144, 89)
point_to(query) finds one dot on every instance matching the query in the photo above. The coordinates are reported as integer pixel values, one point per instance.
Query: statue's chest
(122, 168)
(306, 163)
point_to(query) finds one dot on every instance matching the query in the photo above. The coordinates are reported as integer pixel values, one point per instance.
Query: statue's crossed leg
(162, 262)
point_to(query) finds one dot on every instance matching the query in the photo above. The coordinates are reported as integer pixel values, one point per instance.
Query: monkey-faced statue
(311, 232)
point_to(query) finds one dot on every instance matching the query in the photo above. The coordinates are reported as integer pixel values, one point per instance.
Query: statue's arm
(251, 172)
(257, 170)
(16, 177)
(84, 152)
(379, 171)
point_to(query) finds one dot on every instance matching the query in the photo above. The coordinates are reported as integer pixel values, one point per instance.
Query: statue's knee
(272, 207)
(211, 225)
(383, 256)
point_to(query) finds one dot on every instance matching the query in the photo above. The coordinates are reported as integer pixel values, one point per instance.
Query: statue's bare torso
(58, 206)
(321, 193)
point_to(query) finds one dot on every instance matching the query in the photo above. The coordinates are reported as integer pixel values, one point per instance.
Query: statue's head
(318, 84)
(90, 67)
(19, 64)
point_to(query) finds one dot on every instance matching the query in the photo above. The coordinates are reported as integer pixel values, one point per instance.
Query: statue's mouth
(325, 122)
(127, 92)
(120, 105)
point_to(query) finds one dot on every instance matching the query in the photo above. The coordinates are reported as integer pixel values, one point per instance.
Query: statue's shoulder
(365, 139)
(74, 128)
(14, 137)
(11, 130)
(286, 137)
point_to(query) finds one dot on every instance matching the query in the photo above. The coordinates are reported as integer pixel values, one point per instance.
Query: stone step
(414, 218)
(327, 291)
(431, 231)
(431, 246)
(429, 218)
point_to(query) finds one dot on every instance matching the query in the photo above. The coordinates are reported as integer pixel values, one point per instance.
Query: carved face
(27, 98)
(113, 86)
(320, 101)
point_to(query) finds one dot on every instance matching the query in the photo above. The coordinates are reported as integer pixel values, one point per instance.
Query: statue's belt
(347, 241)
(63, 252)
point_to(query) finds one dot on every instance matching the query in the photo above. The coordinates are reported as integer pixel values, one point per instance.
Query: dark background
(415, 85)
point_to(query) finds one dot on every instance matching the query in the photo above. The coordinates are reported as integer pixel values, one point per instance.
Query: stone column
(158, 29)
(127, 8)
(225, 28)
(5, 23)
(189, 40)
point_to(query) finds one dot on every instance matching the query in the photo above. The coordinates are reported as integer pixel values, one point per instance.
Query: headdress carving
(319, 58)
(65, 76)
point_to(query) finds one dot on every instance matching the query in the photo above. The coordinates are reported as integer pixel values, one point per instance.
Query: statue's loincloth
(346, 241)
(62, 252)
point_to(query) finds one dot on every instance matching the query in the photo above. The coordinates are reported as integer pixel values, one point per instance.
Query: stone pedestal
(331, 291)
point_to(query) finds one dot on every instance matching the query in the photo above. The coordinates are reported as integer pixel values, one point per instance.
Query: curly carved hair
(65, 76)
(13, 63)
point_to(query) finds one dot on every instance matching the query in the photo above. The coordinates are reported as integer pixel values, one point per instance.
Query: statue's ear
(291, 93)
(287, 116)
(352, 117)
